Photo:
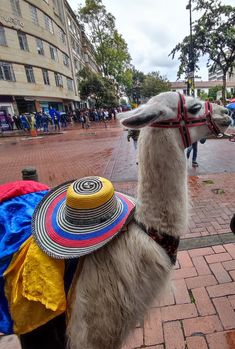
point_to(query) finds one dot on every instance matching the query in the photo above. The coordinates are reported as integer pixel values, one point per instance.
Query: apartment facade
(215, 73)
(81, 51)
(38, 63)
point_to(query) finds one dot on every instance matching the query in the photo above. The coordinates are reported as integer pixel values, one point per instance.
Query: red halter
(183, 122)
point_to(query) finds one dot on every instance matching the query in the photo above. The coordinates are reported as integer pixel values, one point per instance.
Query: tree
(212, 94)
(97, 88)
(203, 95)
(111, 49)
(214, 35)
(153, 83)
(184, 48)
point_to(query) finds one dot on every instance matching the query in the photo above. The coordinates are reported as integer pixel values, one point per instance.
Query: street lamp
(190, 77)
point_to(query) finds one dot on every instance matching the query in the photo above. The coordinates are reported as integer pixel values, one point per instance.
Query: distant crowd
(42, 121)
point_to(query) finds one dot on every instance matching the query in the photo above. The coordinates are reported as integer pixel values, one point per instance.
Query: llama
(118, 283)
(113, 288)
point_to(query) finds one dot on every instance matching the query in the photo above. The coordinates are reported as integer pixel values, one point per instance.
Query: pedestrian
(87, 122)
(82, 119)
(10, 122)
(24, 122)
(232, 115)
(45, 121)
(232, 224)
(63, 120)
(194, 148)
(134, 134)
(16, 119)
(57, 120)
(38, 119)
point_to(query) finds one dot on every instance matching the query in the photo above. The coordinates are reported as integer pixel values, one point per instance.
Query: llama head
(194, 118)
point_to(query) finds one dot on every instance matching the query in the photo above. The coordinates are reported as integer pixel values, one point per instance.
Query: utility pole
(190, 77)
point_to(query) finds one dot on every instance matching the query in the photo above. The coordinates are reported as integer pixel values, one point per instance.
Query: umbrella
(232, 100)
(230, 106)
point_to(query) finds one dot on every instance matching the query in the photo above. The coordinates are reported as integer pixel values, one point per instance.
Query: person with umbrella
(231, 108)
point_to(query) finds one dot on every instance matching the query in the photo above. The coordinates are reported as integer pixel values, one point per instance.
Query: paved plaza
(198, 309)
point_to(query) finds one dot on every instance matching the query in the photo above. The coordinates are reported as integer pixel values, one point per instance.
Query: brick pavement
(198, 311)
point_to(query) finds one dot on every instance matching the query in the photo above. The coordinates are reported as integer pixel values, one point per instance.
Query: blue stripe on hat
(85, 236)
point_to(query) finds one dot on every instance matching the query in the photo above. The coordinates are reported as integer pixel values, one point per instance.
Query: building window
(47, 1)
(58, 80)
(23, 41)
(40, 47)
(45, 75)
(77, 49)
(73, 43)
(70, 84)
(3, 41)
(53, 52)
(76, 65)
(29, 74)
(49, 24)
(62, 36)
(34, 14)
(6, 72)
(15, 6)
(56, 7)
(65, 60)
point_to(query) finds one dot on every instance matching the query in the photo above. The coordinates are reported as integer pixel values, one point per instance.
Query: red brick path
(198, 311)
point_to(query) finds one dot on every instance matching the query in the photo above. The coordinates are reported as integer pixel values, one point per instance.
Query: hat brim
(63, 240)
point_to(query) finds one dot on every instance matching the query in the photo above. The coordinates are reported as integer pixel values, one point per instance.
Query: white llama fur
(119, 282)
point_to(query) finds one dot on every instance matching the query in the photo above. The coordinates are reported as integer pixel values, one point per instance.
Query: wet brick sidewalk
(198, 311)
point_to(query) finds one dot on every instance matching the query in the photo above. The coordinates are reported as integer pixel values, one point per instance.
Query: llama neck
(162, 182)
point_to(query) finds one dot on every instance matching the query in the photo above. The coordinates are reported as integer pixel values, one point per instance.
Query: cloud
(151, 29)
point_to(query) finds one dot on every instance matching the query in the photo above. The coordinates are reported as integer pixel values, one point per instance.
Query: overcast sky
(151, 29)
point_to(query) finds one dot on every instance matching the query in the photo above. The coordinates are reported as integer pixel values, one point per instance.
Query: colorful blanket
(31, 283)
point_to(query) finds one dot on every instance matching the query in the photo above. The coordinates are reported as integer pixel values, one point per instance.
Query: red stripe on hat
(54, 236)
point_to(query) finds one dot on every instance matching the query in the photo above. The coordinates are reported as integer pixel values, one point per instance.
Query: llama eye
(194, 109)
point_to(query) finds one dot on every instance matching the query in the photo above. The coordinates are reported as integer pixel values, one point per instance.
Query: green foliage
(102, 90)
(123, 101)
(153, 83)
(183, 49)
(111, 49)
(203, 95)
(213, 92)
(213, 34)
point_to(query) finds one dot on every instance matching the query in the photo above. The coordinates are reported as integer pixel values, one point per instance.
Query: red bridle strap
(183, 122)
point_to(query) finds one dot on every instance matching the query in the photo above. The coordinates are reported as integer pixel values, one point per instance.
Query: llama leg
(115, 288)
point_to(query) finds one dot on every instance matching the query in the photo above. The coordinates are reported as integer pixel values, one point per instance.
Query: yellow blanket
(34, 287)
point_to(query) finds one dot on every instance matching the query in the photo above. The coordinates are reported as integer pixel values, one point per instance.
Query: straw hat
(77, 218)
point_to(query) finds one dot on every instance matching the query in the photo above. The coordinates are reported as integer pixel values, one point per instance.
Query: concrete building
(37, 69)
(215, 73)
(181, 86)
(80, 49)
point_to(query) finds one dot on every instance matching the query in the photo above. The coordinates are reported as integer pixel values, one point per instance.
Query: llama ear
(142, 116)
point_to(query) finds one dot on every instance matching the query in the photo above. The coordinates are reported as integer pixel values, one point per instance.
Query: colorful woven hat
(77, 218)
